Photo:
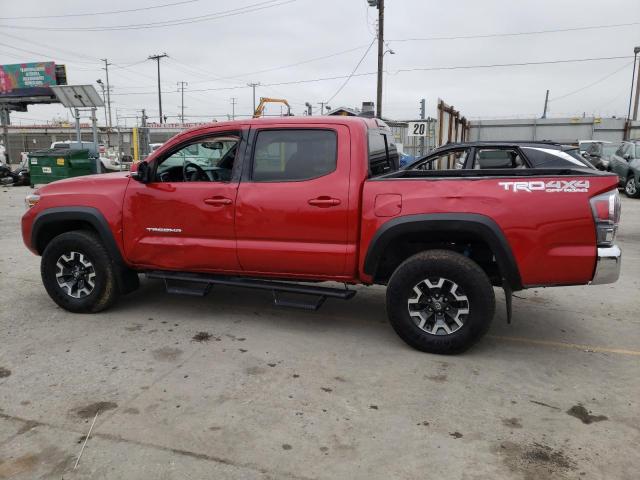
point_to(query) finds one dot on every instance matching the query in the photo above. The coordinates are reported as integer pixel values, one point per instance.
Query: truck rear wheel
(77, 272)
(439, 301)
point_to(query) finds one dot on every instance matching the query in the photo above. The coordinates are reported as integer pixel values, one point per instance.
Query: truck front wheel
(77, 272)
(440, 301)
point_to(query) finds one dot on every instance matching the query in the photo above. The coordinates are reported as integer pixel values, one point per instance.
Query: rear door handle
(324, 202)
(219, 201)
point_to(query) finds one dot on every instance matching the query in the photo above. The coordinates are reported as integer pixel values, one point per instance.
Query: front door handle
(219, 201)
(324, 202)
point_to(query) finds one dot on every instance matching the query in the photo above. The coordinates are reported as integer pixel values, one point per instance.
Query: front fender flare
(127, 279)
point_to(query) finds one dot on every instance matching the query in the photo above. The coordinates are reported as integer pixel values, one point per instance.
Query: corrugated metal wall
(562, 130)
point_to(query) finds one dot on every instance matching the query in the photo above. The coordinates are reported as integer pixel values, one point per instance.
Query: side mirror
(142, 173)
(626, 156)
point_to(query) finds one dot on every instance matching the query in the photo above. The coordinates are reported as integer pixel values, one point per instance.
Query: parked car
(500, 155)
(598, 153)
(303, 200)
(583, 145)
(626, 164)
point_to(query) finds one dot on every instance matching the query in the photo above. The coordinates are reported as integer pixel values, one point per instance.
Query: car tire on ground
(631, 187)
(77, 272)
(440, 301)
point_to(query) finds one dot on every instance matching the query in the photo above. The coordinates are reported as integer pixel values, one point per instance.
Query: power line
(76, 54)
(515, 34)
(282, 67)
(111, 12)
(354, 70)
(166, 23)
(591, 84)
(426, 69)
(32, 52)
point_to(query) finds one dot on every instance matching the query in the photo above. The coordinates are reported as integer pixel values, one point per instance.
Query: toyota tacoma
(286, 204)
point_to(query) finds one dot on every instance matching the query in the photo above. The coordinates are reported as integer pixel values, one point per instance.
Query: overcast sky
(218, 56)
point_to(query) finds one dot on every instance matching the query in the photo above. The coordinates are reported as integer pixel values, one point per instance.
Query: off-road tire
(105, 290)
(470, 278)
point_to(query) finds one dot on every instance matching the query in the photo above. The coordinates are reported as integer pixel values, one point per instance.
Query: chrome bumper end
(607, 265)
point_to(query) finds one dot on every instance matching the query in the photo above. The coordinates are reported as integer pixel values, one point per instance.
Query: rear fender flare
(476, 224)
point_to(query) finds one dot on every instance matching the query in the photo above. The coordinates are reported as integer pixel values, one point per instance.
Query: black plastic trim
(257, 283)
(488, 173)
(477, 224)
(127, 278)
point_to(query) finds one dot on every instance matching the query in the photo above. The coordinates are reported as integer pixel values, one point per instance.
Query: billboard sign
(27, 79)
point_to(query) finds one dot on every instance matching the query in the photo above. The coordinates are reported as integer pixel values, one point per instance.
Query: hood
(86, 182)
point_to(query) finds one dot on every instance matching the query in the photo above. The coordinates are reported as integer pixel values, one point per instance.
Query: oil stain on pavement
(89, 411)
(585, 415)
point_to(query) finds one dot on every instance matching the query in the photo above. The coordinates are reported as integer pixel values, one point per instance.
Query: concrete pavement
(276, 393)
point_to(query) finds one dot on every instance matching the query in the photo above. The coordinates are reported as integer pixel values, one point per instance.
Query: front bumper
(607, 265)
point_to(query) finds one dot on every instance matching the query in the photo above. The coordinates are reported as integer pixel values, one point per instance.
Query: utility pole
(546, 102)
(380, 5)
(423, 113)
(233, 108)
(5, 121)
(322, 104)
(106, 69)
(254, 85)
(635, 107)
(157, 59)
(144, 140)
(181, 87)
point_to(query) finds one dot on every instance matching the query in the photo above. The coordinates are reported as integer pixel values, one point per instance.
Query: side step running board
(277, 287)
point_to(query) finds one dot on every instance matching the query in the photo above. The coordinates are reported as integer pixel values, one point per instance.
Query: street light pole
(106, 69)
(106, 122)
(157, 59)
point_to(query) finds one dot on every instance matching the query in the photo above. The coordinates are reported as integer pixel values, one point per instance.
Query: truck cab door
(293, 202)
(183, 219)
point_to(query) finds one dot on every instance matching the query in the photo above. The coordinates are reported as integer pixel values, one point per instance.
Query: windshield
(575, 153)
(610, 149)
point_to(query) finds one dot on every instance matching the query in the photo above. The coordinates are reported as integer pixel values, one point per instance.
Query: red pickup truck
(284, 204)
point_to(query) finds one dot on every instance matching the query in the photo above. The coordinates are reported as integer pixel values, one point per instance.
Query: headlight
(31, 200)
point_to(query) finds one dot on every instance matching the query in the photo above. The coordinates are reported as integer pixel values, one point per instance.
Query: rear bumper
(607, 265)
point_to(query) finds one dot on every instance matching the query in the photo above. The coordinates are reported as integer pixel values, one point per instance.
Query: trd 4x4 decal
(568, 186)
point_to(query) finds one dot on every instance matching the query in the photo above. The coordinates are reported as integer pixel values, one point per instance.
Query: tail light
(606, 209)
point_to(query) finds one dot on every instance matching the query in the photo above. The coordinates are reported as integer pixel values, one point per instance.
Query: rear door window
(292, 155)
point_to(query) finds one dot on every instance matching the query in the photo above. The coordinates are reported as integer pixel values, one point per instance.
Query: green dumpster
(46, 166)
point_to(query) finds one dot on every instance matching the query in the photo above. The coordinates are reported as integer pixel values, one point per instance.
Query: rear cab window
(383, 153)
